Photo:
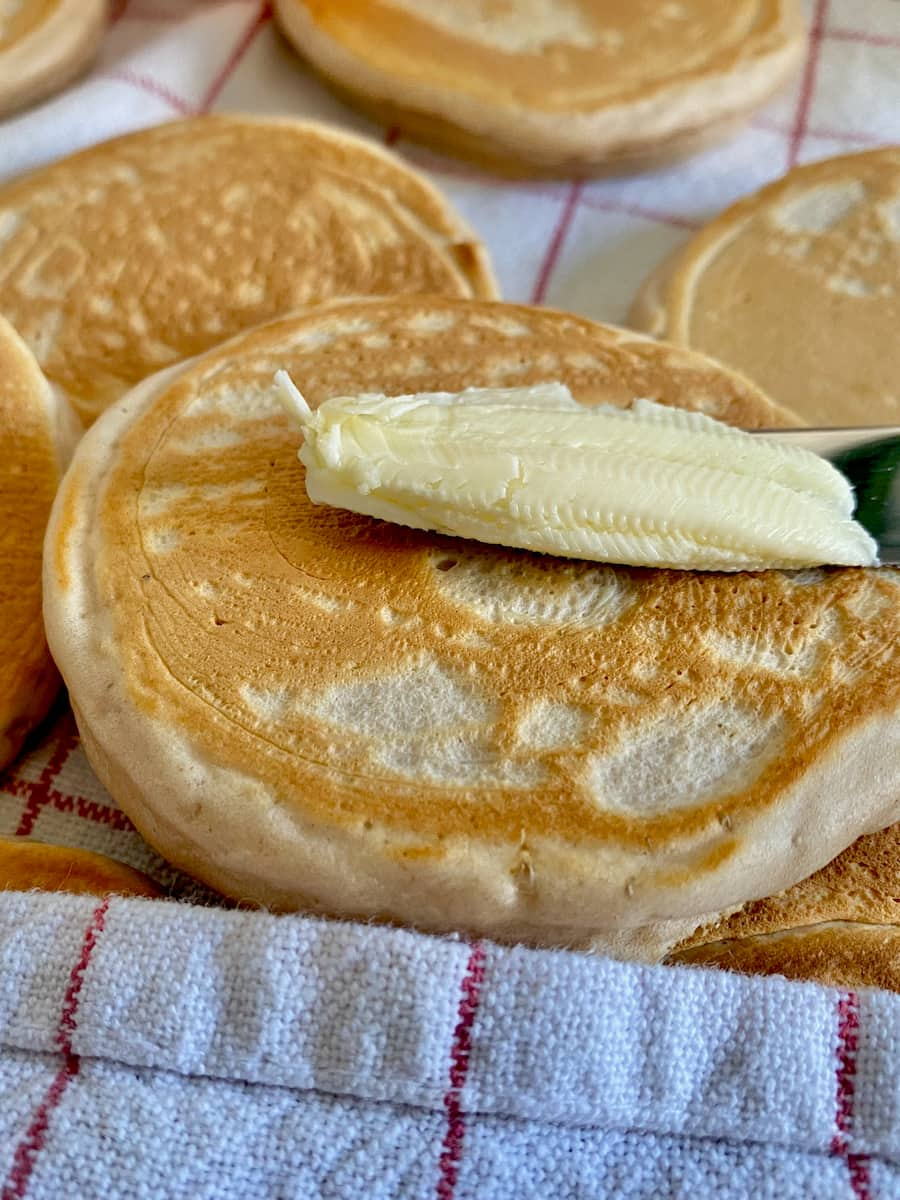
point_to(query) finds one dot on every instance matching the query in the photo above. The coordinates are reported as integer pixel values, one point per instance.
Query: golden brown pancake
(552, 86)
(798, 286)
(26, 865)
(44, 44)
(841, 927)
(155, 246)
(37, 434)
(313, 709)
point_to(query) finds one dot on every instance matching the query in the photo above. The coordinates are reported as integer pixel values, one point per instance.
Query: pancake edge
(64, 430)
(49, 57)
(672, 123)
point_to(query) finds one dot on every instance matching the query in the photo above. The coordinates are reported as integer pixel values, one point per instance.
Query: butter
(529, 467)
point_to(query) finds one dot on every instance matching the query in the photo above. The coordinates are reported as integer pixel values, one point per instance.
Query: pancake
(841, 927)
(37, 434)
(26, 865)
(312, 709)
(44, 44)
(552, 87)
(798, 286)
(155, 246)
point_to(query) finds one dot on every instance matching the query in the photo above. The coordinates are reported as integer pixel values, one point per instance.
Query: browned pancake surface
(30, 468)
(153, 247)
(840, 926)
(798, 286)
(26, 865)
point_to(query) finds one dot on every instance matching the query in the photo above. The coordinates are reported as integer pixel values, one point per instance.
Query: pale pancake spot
(52, 274)
(417, 365)
(419, 701)
(269, 705)
(800, 652)
(162, 541)
(510, 328)
(527, 591)
(586, 362)
(811, 577)
(160, 354)
(549, 725)
(431, 322)
(238, 490)
(359, 215)
(687, 757)
(235, 196)
(457, 762)
(503, 325)
(10, 221)
(847, 286)
(154, 236)
(250, 292)
(870, 603)
(123, 173)
(645, 672)
(313, 340)
(153, 502)
(319, 600)
(102, 305)
(818, 209)
(523, 27)
(890, 216)
(210, 438)
(508, 368)
(346, 327)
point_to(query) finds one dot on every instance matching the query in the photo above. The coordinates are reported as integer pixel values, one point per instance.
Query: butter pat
(531, 468)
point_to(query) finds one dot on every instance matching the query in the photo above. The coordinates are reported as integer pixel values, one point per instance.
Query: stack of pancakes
(314, 710)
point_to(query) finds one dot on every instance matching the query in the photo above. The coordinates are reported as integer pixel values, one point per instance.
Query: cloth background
(178, 1049)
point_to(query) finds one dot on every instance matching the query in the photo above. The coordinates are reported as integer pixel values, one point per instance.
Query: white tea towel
(158, 1049)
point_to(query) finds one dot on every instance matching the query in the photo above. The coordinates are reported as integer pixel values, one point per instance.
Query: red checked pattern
(51, 793)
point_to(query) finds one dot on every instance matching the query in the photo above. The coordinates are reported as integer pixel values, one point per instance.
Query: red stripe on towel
(246, 40)
(460, 1049)
(557, 241)
(31, 1145)
(808, 82)
(848, 1045)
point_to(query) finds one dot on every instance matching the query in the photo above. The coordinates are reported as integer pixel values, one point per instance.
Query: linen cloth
(181, 1049)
